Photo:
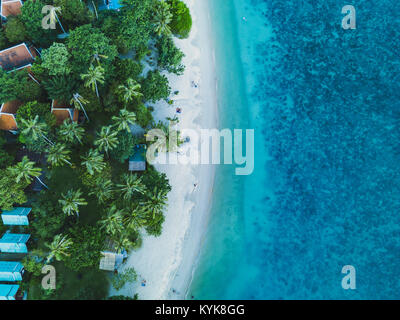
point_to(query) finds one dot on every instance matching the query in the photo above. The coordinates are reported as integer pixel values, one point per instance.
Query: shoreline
(167, 263)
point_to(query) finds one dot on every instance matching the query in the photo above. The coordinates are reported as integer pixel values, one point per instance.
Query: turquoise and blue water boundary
(325, 190)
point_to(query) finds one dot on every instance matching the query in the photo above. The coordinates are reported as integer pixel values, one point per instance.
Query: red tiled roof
(63, 111)
(7, 122)
(76, 115)
(10, 106)
(61, 115)
(16, 57)
(59, 105)
(10, 7)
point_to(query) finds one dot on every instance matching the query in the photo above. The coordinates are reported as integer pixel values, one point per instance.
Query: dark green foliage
(84, 43)
(3, 40)
(73, 13)
(32, 91)
(127, 68)
(12, 85)
(32, 265)
(181, 23)
(169, 56)
(91, 284)
(5, 157)
(155, 86)
(154, 228)
(30, 109)
(87, 284)
(153, 178)
(60, 88)
(11, 192)
(86, 250)
(135, 20)
(48, 218)
(31, 16)
(93, 101)
(41, 73)
(124, 149)
(15, 30)
(94, 42)
(39, 145)
(110, 24)
(143, 115)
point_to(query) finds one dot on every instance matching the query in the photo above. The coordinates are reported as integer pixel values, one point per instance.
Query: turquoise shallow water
(325, 191)
(227, 236)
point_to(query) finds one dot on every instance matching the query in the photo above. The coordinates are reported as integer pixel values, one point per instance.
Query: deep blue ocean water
(325, 192)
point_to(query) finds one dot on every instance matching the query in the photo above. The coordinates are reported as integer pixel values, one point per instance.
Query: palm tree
(25, 170)
(58, 247)
(124, 119)
(131, 184)
(131, 90)
(113, 222)
(171, 135)
(136, 219)
(71, 201)
(78, 102)
(58, 155)
(71, 131)
(35, 129)
(95, 10)
(54, 17)
(162, 19)
(103, 190)
(107, 139)
(123, 241)
(94, 76)
(156, 202)
(93, 161)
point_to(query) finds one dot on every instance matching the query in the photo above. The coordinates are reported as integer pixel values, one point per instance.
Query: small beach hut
(14, 243)
(11, 271)
(8, 291)
(110, 260)
(16, 217)
(137, 162)
(63, 112)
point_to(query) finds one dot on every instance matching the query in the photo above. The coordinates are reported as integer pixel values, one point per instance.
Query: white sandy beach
(167, 262)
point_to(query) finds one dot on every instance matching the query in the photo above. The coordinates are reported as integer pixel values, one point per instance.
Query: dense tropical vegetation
(87, 193)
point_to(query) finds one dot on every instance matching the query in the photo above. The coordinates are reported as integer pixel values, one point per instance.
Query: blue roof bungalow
(14, 243)
(137, 161)
(16, 217)
(11, 271)
(8, 291)
(109, 4)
